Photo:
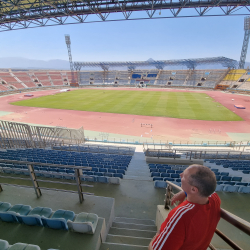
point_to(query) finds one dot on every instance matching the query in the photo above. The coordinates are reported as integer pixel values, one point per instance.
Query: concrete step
(133, 173)
(132, 232)
(135, 221)
(113, 246)
(121, 239)
(134, 226)
(134, 177)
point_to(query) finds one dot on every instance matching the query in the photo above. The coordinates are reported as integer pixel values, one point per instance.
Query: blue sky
(162, 39)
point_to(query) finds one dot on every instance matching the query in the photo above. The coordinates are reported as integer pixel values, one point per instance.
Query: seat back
(56, 223)
(4, 206)
(8, 216)
(160, 184)
(4, 245)
(237, 178)
(31, 220)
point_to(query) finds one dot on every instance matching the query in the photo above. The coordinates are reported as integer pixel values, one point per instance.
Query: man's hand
(178, 197)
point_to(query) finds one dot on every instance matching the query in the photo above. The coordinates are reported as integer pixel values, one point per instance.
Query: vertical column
(34, 181)
(78, 172)
(245, 42)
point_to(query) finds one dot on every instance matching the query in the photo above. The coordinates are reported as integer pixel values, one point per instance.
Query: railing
(239, 223)
(94, 149)
(233, 144)
(199, 154)
(35, 181)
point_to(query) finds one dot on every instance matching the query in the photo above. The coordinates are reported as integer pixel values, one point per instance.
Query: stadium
(90, 157)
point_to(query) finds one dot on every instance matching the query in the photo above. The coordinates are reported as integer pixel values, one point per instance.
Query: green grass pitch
(186, 105)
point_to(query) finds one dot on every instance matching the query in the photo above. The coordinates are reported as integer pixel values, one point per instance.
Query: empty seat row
(97, 149)
(64, 157)
(163, 184)
(4, 245)
(178, 180)
(228, 178)
(233, 189)
(232, 183)
(44, 216)
(158, 174)
(112, 176)
(163, 170)
(225, 188)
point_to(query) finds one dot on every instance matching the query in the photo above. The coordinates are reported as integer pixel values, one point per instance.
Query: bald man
(191, 225)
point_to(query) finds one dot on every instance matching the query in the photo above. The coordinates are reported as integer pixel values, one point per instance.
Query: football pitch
(185, 105)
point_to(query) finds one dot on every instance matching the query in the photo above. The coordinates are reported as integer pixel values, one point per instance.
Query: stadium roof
(22, 14)
(189, 63)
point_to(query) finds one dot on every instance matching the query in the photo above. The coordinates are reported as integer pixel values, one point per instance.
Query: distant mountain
(24, 63)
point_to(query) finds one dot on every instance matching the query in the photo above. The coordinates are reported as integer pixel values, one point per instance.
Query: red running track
(163, 128)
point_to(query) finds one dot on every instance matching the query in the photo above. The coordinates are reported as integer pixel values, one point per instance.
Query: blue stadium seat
(218, 177)
(232, 183)
(157, 178)
(224, 173)
(59, 219)
(244, 190)
(171, 171)
(165, 175)
(102, 179)
(155, 174)
(241, 183)
(160, 184)
(231, 189)
(237, 178)
(162, 170)
(226, 178)
(34, 217)
(175, 176)
(4, 206)
(4, 245)
(168, 179)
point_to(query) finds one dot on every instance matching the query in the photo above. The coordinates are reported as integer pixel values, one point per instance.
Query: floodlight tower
(68, 43)
(245, 42)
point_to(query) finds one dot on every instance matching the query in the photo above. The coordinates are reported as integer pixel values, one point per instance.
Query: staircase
(18, 80)
(51, 82)
(188, 76)
(138, 168)
(129, 234)
(222, 77)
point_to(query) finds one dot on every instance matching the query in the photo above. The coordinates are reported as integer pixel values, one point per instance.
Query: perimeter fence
(20, 135)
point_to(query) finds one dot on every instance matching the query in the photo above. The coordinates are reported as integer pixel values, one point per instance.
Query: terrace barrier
(198, 154)
(237, 222)
(35, 181)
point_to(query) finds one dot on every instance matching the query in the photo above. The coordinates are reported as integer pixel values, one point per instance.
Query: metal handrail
(35, 181)
(239, 223)
(200, 154)
(44, 164)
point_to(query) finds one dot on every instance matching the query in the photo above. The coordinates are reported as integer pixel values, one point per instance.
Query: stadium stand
(4, 245)
(11, 81)
(161, 173)
(44, 216)
(26, 79)
(106, 168)
(172, 78)
(84, 78)
(56, 78)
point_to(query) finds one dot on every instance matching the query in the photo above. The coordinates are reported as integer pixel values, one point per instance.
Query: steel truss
(22, 14)
(189, 63)
(245, 43)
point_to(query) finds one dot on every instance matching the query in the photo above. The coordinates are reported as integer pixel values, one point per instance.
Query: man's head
(198, 179)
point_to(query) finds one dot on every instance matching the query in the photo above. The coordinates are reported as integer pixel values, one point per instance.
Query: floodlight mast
(68, 43)
(245, 42)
